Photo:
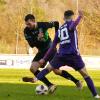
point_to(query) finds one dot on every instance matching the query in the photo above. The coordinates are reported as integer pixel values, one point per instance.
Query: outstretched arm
(53, 46)
(52, 24)
(50, 51)
(76, 22)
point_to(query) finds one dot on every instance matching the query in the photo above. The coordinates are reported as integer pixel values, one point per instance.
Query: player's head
(30, 21)
(68, 15)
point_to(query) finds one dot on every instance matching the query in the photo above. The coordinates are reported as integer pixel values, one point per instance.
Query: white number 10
(63, 34)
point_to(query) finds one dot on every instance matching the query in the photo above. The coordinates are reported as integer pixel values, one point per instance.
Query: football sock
(91, 86)
(44, 79)
(42, 74)
(68, 76)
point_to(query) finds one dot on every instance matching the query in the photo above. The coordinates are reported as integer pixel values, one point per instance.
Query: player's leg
(35, 70)
(55, 58)
(89, 82)
(68, 76)
(44, 72)
(57, 62)
(79, 65)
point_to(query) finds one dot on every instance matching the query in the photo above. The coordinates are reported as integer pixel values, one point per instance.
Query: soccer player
(68, 53)
(36, 33)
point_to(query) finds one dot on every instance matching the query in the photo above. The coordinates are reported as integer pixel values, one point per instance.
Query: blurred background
(12, 14)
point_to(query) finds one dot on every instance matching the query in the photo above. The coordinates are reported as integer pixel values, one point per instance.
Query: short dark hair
(29, 16)
(68, 13)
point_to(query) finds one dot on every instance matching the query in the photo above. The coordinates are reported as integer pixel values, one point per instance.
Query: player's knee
(49, 68)
(34, 67)
(57, 72)
(84, 73)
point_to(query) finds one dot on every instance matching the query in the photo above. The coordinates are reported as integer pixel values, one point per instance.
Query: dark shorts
(40, 55)
(72, 60)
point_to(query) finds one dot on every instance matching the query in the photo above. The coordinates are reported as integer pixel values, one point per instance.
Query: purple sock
(91, 86)
(42, 74)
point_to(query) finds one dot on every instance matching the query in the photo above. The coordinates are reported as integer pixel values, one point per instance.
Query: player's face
(30, 23)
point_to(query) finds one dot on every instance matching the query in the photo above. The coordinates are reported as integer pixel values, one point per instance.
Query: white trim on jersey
(76, 42)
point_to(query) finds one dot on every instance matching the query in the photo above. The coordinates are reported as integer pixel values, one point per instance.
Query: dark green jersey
(31, 35)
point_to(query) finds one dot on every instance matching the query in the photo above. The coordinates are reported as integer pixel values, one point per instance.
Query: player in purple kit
(68, 53)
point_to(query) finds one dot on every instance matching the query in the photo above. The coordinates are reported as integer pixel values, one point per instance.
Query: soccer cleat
(27, 79)
(79, 85)
(97, 97)
(52, 89)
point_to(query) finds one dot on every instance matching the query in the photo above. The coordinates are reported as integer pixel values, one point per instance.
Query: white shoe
(97, 97)
(52, 89)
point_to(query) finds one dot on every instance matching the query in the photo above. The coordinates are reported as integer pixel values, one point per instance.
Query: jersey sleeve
(29, 39)
(53, 46)
(52, 24)
(75, 23)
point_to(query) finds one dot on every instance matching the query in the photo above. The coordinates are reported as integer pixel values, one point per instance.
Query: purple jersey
(67, 37)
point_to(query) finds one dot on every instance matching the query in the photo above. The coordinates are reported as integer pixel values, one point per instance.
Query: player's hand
(80, 13)
(42, 61)
(40, 36)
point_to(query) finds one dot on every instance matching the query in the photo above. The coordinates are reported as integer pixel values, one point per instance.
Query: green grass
(12, 88)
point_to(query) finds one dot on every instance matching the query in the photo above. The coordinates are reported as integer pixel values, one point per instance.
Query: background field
(12, 13)
(12, 87)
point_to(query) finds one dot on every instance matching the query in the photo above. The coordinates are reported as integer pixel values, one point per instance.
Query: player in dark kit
(37, 36)
(68, 53)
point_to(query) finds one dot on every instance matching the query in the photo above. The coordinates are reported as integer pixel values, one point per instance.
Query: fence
(24, 61)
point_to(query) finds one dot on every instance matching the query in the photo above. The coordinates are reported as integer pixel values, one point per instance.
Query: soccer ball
(41, 90)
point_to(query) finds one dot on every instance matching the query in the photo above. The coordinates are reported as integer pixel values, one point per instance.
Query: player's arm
(49, 52)
(52, 24)
(29, 39)
(77, 21)
(53, 46)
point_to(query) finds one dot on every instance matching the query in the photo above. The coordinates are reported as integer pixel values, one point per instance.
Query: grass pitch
(12, 87)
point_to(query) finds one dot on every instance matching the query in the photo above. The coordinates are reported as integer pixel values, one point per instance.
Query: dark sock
(42, 74)
(91, 86)
(69, 76)
(44, 79)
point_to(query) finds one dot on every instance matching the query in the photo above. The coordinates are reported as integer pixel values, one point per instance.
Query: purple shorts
(73, 60)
